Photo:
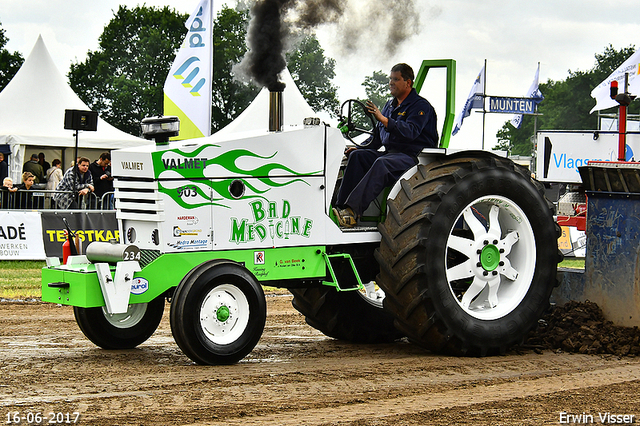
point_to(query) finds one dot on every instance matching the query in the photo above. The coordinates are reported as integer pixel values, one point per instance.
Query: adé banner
(91, 226)
(20, 236)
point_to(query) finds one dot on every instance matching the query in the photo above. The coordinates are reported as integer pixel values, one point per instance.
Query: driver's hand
(373, 109)
(349, 151)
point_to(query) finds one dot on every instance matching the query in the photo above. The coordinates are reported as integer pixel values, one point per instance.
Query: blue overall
(411, 127)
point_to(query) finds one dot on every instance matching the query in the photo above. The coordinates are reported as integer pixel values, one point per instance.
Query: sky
(511, 35)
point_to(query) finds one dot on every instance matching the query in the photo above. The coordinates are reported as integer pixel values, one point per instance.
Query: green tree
(376, 87)
(123, 79)
(566, 103)
(313, 72)
(10, 63)
(516, 141)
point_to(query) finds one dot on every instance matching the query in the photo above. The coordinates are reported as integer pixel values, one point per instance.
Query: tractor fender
(204, 266)
(427, 156)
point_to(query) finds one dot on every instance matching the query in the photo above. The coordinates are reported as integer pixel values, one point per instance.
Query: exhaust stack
(276, 112)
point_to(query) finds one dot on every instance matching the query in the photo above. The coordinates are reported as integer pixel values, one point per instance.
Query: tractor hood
(266, 154)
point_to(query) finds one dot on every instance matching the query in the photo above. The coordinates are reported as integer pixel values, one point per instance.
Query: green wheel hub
(490, 257)
(222, 313)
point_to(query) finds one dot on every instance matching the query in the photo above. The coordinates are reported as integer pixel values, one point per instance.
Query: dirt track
(295, 376)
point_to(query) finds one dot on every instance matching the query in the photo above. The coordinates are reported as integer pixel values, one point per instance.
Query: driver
(406, 125)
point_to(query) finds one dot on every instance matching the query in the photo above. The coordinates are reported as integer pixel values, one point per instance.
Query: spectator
(26, 199)
(54, 175)
(45, 164)
(34, 168)
(75, 182)
(72, 163)
(101, 173)
(7, 183)
(7, 198)
(28, 179)
(4, 168)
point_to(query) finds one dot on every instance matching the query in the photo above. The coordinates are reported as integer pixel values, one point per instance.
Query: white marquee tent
(32, 110)
(256, 116)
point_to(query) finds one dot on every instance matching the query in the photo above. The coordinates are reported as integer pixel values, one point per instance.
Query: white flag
(187, 89)
(534, 93)
(602, 94)
(475, 100)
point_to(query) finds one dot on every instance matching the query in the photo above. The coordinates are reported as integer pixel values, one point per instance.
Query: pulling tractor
(459, 256)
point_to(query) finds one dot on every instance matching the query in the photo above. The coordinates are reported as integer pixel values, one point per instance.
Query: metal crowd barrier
(41, 199)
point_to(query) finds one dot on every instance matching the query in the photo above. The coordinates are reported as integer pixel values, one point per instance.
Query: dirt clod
(580, 327)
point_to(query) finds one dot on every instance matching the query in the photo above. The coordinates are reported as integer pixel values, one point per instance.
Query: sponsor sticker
(179, 232)
(139, 285)
(190, 220)
(188, 244)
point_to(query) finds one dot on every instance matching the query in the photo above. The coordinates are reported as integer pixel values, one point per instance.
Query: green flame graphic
(227, 160)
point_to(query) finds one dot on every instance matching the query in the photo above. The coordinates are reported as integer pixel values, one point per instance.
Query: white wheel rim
(134, 314)
(371, 294)
(495, 272)
(224, 314)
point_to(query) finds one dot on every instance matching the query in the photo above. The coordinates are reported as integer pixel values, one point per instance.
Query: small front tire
(120, 331)
(218, 313)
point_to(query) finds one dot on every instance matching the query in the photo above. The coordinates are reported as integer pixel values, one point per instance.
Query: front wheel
(120, 331)
(469, 254)
(218, 313)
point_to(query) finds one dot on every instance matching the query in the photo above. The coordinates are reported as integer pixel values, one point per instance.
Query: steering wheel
(357, 121)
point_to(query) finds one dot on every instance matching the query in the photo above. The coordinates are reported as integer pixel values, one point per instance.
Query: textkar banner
(21, 236)
(90, 226)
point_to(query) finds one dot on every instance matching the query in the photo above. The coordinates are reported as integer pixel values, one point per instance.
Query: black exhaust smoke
(361, 25)
(269, 31)
(266, 38)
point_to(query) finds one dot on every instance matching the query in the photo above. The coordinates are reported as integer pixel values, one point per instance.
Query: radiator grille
(138, 199)
(147, 256)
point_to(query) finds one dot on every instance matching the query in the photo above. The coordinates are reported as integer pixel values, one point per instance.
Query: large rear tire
(468, 255)
(218, 313)
(120, 331)
(352, 316)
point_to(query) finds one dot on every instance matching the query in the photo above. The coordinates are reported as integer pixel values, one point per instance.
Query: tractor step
(341, 265)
